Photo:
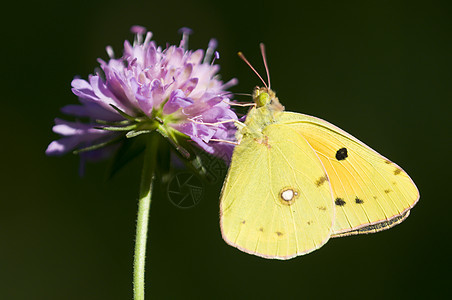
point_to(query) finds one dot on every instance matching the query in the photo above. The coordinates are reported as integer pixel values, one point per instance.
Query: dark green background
(380, 70)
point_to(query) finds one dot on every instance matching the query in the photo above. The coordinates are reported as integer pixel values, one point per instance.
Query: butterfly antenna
(249, 65)
(264, 57)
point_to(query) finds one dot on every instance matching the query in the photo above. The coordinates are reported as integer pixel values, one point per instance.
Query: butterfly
(295, 181)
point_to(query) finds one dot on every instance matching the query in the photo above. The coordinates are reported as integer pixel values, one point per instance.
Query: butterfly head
(264, 96)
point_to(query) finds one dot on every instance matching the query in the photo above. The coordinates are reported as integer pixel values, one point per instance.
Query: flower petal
(176, 101)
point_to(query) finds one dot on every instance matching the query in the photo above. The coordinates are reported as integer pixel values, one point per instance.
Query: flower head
(174, 91)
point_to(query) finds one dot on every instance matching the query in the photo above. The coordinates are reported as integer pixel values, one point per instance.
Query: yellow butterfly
(296, 180)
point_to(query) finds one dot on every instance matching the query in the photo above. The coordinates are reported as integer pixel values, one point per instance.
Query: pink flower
(147, 89)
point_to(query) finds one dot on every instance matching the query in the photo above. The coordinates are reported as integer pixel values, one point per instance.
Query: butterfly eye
(263, 99)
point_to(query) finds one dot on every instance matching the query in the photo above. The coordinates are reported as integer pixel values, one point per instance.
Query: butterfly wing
(271, 206)
(371, 193)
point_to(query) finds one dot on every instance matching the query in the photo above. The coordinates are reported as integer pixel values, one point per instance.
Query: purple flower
(171, 90)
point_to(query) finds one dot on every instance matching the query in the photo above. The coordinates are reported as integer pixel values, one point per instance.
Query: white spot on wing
(287, 195)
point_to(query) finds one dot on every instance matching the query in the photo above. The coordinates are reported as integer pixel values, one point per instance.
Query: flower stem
(147, 179)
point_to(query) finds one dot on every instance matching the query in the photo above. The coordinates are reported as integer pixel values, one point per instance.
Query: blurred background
(379, 70)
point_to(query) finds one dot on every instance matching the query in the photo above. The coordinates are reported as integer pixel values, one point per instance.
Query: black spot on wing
(339, 202)
(278, 233)
(341, 154)
(319, 182)
(397, 171)
(359, 201)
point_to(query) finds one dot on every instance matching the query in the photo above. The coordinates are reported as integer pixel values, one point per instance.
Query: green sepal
(187, 152)
(113, 123)
(123, 114)
(117, 128)
(135, 133)
(98, 146)
(175, 140)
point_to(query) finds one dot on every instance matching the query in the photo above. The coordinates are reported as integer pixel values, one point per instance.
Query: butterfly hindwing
(370, 192)
(276, 201)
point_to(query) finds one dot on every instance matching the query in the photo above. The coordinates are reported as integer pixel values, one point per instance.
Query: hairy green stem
(147, 179)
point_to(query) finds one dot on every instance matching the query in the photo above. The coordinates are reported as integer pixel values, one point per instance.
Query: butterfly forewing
(276, 201)
(370, 192)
